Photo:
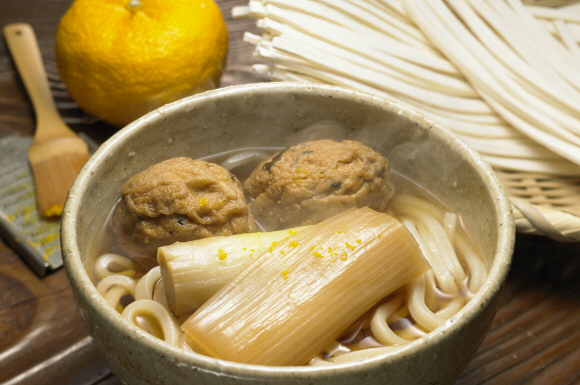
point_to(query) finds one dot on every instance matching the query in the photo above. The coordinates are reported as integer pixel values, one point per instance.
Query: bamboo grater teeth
(35, 239)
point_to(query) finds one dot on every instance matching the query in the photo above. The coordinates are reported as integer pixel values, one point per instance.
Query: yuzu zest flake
(120, 59)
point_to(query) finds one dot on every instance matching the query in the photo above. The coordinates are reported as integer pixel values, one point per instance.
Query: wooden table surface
(535, 338)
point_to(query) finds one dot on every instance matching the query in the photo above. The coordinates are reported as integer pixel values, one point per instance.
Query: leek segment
(193, 271)
(301, 294)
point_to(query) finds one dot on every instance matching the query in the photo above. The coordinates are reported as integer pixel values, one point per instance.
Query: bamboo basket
(543, 204)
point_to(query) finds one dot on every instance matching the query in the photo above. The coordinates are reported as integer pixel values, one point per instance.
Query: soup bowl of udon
(286, 233)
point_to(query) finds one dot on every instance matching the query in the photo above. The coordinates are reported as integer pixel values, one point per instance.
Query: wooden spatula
(57, 153)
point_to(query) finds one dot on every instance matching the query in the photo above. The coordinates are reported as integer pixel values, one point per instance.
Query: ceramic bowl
(280, 114)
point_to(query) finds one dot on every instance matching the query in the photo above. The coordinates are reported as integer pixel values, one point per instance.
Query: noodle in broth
(458, 272)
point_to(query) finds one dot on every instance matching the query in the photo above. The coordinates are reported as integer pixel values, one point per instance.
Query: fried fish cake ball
(312, 181)
(179, 199)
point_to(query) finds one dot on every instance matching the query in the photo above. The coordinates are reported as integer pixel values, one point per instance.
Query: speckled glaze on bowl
(280, 114)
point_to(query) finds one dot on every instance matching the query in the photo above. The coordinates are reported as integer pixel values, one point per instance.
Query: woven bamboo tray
(544, 205)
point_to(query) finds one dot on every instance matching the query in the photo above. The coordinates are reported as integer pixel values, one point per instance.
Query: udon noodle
(427, 302)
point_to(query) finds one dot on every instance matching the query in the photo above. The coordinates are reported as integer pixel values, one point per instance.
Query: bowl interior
(279, 115)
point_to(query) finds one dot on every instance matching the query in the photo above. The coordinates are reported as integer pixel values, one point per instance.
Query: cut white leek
(194, 271)
(291, 302)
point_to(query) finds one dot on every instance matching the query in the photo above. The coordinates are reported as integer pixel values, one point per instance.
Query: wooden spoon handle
(23, 46)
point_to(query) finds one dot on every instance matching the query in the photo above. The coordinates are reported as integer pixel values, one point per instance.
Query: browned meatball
(179, 199)
(312, 181)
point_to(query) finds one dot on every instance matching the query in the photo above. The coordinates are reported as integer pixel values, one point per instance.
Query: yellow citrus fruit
(120, 59)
